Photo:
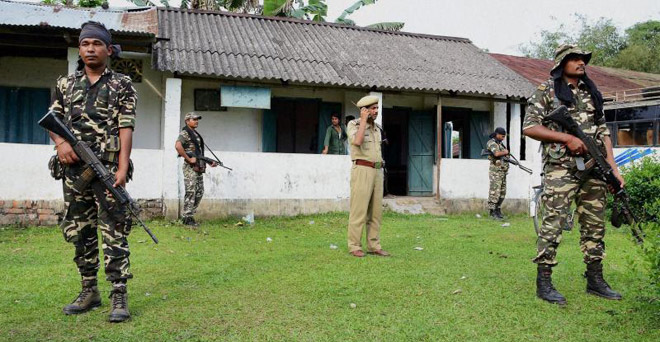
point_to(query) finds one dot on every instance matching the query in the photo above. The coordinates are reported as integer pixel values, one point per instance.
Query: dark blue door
(420, 154)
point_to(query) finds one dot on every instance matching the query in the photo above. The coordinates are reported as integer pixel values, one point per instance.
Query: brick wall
(47, 213)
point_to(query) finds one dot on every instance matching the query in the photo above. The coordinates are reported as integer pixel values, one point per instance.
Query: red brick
(17, 204)
(45, 211)
(15, 211)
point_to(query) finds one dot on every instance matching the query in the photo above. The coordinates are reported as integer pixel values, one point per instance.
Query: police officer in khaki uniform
(364, 137)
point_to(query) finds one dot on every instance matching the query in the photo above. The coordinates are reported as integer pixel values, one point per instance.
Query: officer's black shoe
(544, 288)
(596, 285)
(498, 212)
(88, 299)
(119, 298)
(493, 214)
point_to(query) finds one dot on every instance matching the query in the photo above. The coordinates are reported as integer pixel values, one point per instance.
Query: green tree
(638, 49)
(602, 37)
(71, 3)
(642, 50)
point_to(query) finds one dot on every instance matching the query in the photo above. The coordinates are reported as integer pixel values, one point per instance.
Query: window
(634, 126)
(208, 100)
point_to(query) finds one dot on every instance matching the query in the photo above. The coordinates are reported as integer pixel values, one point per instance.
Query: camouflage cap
(192, 115)
(367, 101)
(565, 50)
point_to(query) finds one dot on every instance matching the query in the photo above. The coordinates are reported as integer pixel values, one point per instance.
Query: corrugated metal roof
(263, 48)
(607, 79)
(14, 13)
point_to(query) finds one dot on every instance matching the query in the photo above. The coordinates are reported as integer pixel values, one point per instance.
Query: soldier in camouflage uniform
(563, 157)
(497, 173)
(98, 105)
(191, 142)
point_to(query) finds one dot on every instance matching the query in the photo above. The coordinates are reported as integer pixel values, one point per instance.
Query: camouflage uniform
(193, 180)
(497, 175)
(95, 113)
(561, 185)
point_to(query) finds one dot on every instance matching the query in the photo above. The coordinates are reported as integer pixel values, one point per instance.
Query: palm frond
(387, 26)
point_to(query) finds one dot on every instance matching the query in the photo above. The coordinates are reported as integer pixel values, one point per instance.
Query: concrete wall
(237, 129)
(148, 114)
(464, 185)
(43, 73)
(31, 72)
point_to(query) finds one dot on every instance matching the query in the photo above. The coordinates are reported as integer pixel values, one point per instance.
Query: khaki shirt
(370, 148)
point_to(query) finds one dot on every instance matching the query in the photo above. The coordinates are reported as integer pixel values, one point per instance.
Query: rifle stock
(52, 123)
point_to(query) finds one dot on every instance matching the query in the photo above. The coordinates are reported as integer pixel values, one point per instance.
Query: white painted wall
(476, 105)
(28, 178)
(148, 113)
(24, 174)
(468, 179)
(31, 72)
(277, 176)
(237, 129)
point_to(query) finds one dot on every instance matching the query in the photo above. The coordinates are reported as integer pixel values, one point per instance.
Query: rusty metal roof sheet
(607, 79)
(250, 47)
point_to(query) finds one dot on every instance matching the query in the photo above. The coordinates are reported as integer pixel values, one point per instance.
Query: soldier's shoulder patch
(542, 87)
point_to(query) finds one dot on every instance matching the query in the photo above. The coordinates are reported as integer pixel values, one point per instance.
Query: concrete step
(414, 205)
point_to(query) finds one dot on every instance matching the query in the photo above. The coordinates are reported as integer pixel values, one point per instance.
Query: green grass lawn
(473, 281)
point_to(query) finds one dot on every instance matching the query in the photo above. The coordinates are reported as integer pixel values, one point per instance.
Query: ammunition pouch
(111, 149)
(56, 168)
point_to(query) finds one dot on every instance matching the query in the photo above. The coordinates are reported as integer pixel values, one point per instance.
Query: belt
(362, 162)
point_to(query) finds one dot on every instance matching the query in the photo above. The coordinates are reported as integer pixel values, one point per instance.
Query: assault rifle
(509, 159)
(621, 211)
(208, 160)
(98, 171)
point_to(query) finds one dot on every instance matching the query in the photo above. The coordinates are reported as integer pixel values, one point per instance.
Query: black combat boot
(189, 221)
(596, 285)
(119, 298)
(544, 288)
(493, 214)
(88, 299)
(498, 212)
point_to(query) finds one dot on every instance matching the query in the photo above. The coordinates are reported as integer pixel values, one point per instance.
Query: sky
(497, 25)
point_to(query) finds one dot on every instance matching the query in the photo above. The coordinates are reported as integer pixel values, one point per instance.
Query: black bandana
(564, 94)
(96, 30)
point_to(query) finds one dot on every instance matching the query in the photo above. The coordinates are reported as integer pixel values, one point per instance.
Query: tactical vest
(110, 144)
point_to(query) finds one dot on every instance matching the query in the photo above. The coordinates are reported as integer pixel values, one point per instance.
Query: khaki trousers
(366, 207)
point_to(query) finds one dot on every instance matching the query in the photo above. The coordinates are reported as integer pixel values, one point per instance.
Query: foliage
(352, 8)
(221, 282)
(638, 49)
(387, 26)
(643, 186)
(651, 249)
(642, 50)
(90, 3)
(315, 10)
